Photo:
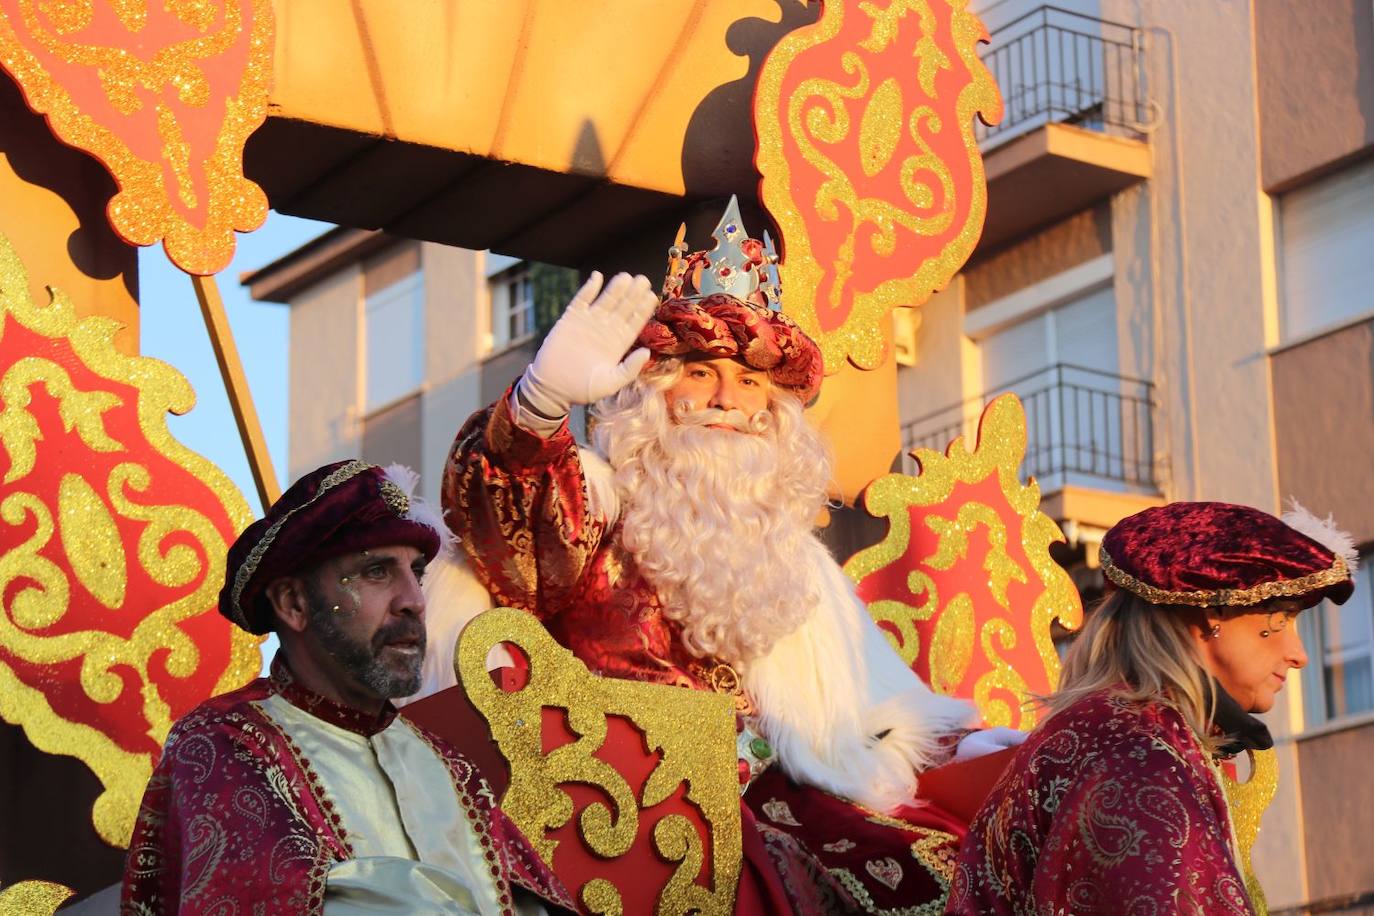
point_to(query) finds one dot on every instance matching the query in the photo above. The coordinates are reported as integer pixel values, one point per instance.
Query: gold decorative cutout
(33, 898)
(963, 583)
(1248, 801)
(164, 95)
(870, 165)
(694, 731)
(113, 538)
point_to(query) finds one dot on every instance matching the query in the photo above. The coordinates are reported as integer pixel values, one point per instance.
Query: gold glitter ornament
(33, 898)
(1248, 801)
(113, 538)
(963, 584)
(179, 86)
(692, 730)
(870, 166)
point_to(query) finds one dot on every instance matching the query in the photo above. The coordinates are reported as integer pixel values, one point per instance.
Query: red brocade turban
(1224, 555)
(726, 303)
(340, 508)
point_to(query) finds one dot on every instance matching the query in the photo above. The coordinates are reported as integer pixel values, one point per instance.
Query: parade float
(205, 113)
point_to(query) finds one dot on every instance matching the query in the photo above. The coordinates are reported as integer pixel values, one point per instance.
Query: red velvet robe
(519, 505)
(234, 819)
(1109, 807)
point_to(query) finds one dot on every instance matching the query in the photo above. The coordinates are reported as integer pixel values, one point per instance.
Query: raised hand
(583, 359)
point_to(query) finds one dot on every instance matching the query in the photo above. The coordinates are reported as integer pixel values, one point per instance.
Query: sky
(172, 330)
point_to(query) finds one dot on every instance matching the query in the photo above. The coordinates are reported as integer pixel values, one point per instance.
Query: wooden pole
(240, 398)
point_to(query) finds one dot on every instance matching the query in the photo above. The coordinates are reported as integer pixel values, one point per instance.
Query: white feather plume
(421, 512)
(1323, 531)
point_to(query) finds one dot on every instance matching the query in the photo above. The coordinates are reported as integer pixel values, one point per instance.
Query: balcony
(1090, 440)
(1075, 120)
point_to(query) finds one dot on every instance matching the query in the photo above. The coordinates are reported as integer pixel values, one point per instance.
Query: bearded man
(680, 551)
(303, 792)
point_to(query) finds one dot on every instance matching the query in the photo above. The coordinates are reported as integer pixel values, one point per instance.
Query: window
(1327, 232)
(512, 308)
(1339, 679)
(394, 332)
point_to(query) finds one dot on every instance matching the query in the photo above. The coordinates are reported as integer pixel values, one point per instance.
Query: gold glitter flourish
(44, 597)
(694, 731)
(142, 211)
(1001, 445)
(33, 898)
(859, 337)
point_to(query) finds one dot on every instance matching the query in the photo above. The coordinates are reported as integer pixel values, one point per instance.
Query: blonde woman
(1114, 804)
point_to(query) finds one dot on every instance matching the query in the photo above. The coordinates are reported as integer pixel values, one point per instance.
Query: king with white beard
(680, 550)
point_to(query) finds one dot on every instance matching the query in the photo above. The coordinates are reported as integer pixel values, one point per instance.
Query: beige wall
(1053, 250)
(936, 381)
(1324, 426)
(324, 372)
(1338, 805)
(1315, 63)
(457, 323)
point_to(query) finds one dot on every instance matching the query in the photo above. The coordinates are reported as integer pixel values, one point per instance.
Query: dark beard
(363, 661)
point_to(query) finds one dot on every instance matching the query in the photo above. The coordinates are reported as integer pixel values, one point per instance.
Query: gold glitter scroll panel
(647, 772)
(164, 93)
(112, 545)
(963, 584)
(869, 163)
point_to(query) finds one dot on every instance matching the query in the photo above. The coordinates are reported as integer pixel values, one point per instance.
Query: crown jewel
(738, 266)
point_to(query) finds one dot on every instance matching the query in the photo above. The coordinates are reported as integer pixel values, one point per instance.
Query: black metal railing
(1080, 423)
(1056, 65)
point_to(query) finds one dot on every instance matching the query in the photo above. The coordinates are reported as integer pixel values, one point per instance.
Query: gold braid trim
(1227, 597)
(250, 564)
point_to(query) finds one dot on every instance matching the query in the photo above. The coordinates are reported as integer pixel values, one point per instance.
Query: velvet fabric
(723, 326)
(1212, 554)
(340, 508)
(1109, 807)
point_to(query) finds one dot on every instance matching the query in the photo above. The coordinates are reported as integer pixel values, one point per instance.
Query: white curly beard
(717, 520)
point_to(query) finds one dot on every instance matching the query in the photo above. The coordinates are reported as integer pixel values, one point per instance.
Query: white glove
(583, 358)
(987, 741)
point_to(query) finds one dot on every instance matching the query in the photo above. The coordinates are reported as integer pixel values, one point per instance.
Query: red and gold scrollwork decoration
(112, 544)
(870, 166)
(164, 94)
(647, 773)
(963, 584)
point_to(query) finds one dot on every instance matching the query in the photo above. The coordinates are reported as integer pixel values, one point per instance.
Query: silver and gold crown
(738, 266)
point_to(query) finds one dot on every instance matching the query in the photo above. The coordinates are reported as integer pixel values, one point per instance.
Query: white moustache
(735, 419)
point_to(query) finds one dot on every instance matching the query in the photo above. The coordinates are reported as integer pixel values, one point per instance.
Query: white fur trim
(602, 497)
(1323, 531)
(453, 596)
(829, 688)
(421, 512)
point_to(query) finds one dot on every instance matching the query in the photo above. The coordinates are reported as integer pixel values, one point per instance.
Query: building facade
(1176, 276)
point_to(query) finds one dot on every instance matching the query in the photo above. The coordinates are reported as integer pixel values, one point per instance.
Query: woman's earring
(1215, 632)
(335, 609)
(1264, 634)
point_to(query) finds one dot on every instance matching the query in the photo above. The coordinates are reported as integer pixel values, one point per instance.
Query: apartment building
(1177, 277)
(395, 342)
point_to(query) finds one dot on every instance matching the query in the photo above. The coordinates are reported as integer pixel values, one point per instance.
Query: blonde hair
(1141, 652)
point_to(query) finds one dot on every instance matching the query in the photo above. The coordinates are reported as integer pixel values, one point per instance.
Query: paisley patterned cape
(1109, 807)
(235, 820)
(520, 505)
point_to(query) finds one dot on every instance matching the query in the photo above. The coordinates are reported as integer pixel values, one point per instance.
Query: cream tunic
(415, 850)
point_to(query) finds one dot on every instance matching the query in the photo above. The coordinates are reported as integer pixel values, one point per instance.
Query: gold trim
(1226, 597)
(250, 564)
